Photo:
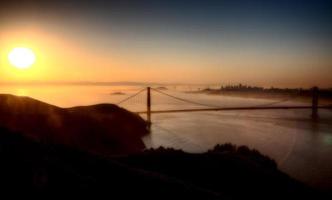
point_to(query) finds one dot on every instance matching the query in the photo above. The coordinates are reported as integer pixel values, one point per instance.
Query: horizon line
(131, 83)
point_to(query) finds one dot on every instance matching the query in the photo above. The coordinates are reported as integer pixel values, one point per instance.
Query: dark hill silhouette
(102, 129)
(226, 172)
(47, 150)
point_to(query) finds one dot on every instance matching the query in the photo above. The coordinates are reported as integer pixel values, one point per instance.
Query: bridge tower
(315, 94)
(148, 111)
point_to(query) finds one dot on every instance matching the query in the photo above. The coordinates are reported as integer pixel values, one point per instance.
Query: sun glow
(22, 57)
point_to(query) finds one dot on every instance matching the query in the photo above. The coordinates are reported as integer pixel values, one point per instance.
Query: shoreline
(264, 95)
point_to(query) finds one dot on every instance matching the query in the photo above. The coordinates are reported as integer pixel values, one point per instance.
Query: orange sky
(70, 57)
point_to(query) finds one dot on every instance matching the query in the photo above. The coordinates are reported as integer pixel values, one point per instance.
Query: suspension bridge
(147, 99)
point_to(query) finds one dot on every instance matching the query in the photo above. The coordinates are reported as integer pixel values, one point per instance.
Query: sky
(265, 43)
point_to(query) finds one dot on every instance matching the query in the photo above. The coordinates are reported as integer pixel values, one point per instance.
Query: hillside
(104, 129)
(226, 172)
(50, 151)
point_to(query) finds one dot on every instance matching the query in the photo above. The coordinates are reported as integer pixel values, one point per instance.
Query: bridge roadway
(233, 108)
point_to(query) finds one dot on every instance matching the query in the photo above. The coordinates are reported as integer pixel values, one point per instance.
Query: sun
(21, 57)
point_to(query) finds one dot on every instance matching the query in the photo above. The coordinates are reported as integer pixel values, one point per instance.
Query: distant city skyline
(264, 43)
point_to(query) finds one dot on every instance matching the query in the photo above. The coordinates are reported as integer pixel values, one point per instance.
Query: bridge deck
(233, 108)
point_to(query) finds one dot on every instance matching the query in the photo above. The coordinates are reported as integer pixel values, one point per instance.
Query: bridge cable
(273, 103)
(130, 97)
(186, 100)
